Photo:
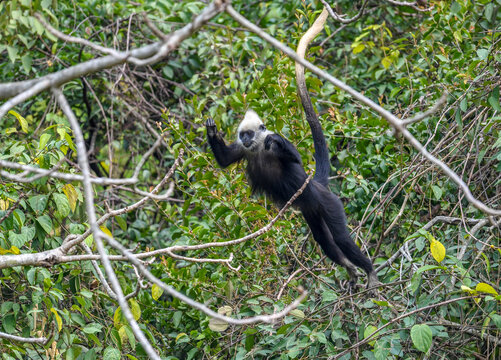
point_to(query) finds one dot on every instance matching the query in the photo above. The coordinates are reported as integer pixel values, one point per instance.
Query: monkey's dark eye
(262, 127)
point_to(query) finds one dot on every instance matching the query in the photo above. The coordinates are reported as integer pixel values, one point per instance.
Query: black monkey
(274, 167)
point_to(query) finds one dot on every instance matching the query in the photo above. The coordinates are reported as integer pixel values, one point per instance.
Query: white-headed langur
(274, 167)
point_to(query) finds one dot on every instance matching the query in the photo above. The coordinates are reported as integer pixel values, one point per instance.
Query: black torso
(271, 175)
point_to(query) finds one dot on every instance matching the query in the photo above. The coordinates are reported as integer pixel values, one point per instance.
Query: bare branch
(40, 340)
(22, 96)
(91, 214)
(428, 112)
(153, 28)
(392, 119)
(340, 18)
(414, 5)
(247, 237)
(171, 291)
(75, 40)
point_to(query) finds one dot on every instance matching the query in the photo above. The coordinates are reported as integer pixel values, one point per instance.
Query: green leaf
(92, 328)
(494, 99)
(110, 353)
(437, 192)
(45, 222)
(27, 60)
(297, 313)
(421, 336)
(176, 318)
(18, 240)
(489, 10)
(9, 324)
(463, 105)
(496, 319)
(62, 204)
(121, 222)
(44, 139)
(38, 202)
(12, 51)
(482, 53)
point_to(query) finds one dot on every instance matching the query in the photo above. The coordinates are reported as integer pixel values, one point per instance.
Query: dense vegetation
(441, 291)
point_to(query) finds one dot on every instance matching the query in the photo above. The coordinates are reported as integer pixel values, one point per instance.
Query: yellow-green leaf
(437, 250)
(369, 330)
(72, 195)
(156, 291)
(218, 325)
(22, 120)
(118, 320)
(225, 310)
(123, 334)
(386, 62)
(180, 335)
(4, 204)
(486, 288)
(15, 250)
(297, 313)
(358, 48)
(105, 230)
(467, 289)
(135, 309)
(59, 321)
(44, 139)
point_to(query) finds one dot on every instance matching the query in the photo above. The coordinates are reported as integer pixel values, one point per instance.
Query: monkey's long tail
(321, 150)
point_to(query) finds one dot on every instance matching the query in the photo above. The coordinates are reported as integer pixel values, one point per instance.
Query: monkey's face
(252, 132)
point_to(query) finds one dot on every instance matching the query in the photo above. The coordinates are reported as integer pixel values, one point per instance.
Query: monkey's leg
(336, 222)
(323, 237)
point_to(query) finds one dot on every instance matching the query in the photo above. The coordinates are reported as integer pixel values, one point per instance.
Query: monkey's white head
(252, 132)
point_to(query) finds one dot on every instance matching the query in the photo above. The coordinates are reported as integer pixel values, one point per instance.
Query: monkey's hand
(273, 139)
(211, 127)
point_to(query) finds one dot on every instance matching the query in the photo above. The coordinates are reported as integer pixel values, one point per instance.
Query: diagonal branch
(394, 121)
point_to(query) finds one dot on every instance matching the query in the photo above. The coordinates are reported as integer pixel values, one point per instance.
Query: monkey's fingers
(210, 123)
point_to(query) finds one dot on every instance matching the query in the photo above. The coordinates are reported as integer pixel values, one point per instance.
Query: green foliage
(397, 56)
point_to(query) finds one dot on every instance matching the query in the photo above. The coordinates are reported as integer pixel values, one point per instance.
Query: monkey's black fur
(274, 167)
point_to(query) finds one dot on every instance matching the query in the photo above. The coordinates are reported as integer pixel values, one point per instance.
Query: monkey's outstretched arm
(282, 148)
(225, 155)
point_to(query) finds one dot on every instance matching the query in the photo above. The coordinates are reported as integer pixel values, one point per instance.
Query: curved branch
(321, 150)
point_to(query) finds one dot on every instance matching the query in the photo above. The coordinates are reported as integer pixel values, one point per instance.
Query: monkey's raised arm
(225, 155)
(282, 148)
